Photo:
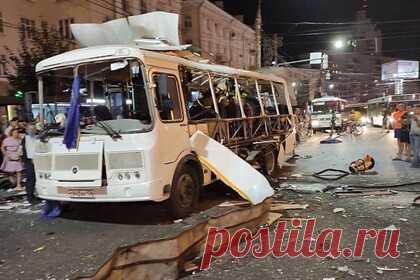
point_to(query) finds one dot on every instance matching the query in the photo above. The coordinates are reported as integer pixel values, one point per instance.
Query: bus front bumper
(146, 191)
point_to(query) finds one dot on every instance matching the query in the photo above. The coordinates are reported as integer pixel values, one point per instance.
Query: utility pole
(258, 29)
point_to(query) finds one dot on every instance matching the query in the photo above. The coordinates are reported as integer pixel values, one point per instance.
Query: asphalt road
(80, 241)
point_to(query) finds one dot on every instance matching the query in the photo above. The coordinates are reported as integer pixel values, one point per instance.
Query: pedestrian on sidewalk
(415, 138)
(397, 117)
(28, 145)
(12, 152)
(405, 133)
(14, 123)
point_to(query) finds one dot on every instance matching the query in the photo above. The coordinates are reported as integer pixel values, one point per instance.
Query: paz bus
(380, 109)
(144, 106)
(323, 109)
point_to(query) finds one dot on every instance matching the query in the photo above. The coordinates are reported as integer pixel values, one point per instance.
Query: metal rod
(259, 98)
(273, 90)
(238, 95)
(213, 96)
(41, 100)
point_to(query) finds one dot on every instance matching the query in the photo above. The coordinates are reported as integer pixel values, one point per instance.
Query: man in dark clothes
(28, 145)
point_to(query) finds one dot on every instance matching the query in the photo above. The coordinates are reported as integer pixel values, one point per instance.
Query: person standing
(12, 152)
(14, 123)
(415, 139)
(397, 116)
(405, 134)
(28, 145)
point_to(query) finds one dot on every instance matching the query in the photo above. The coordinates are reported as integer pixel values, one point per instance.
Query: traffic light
(19, 94)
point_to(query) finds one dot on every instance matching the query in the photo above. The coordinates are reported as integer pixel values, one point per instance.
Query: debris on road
(283, 207)
(273, 217)
(339, 210)
(331, 174)
(190, 267)
(416, 201)
(362, 165)
(387, 269)
(307, 188)
(359, 193)
(347, 270)
(164, 258)
(391, 227)
(6, 207)
(234, 203)
(39, 249)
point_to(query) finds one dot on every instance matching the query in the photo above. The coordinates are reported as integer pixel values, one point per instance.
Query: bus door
(173, 138)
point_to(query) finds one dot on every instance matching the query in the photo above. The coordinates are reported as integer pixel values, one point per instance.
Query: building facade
(19, 17)
(219, 36)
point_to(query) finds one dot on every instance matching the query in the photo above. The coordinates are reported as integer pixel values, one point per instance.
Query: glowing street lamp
(338, 44)
(331, 86)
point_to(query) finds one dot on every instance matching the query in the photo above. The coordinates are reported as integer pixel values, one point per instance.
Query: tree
(41, 44)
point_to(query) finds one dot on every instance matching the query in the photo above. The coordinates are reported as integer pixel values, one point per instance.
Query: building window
(1, 23)
(209, 25)
(2, 65)
(143, 6)
(27, 27)
(188, 22)
(64, 28)
(124, 5)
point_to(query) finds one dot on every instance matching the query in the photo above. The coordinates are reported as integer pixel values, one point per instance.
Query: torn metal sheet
(166, 258)
(151, 31)
(231, 169)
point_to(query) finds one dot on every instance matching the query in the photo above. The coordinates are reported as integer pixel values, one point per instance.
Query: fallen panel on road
(231, 169)
(163, 259)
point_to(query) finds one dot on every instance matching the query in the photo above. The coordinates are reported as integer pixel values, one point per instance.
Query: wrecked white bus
(143, 107)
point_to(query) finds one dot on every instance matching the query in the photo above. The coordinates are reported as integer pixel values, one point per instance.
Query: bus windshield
(112, 97)
(325, 107)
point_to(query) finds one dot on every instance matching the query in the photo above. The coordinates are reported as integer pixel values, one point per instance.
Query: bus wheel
(269, 160)
(184, 193)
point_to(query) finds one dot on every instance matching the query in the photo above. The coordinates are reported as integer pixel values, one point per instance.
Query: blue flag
(71, 132)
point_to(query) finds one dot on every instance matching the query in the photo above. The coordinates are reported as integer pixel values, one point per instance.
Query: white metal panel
(231, 169)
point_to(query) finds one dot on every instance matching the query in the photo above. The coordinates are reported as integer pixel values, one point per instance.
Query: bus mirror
(118, 65)
(135, 68)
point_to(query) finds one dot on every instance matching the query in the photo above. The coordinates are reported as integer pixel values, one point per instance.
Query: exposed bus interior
(236, 111)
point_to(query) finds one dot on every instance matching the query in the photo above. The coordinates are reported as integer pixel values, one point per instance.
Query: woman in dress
(12, 152)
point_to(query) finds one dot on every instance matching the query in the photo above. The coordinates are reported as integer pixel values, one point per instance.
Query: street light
(331, 86)
(294, 84)
(339, 44)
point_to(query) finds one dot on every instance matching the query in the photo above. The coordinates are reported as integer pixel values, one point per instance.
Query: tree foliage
(42, 43)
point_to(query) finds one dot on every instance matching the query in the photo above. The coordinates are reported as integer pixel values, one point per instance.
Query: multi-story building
(221, 37)
(18, 16)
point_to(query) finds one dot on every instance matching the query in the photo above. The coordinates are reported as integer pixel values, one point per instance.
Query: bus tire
(185, 192)
(269, 160)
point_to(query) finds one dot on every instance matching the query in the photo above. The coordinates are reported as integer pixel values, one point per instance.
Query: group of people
(406, 122)
(17, 150)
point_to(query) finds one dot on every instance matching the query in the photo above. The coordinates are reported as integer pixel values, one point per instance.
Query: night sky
(400, 40)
